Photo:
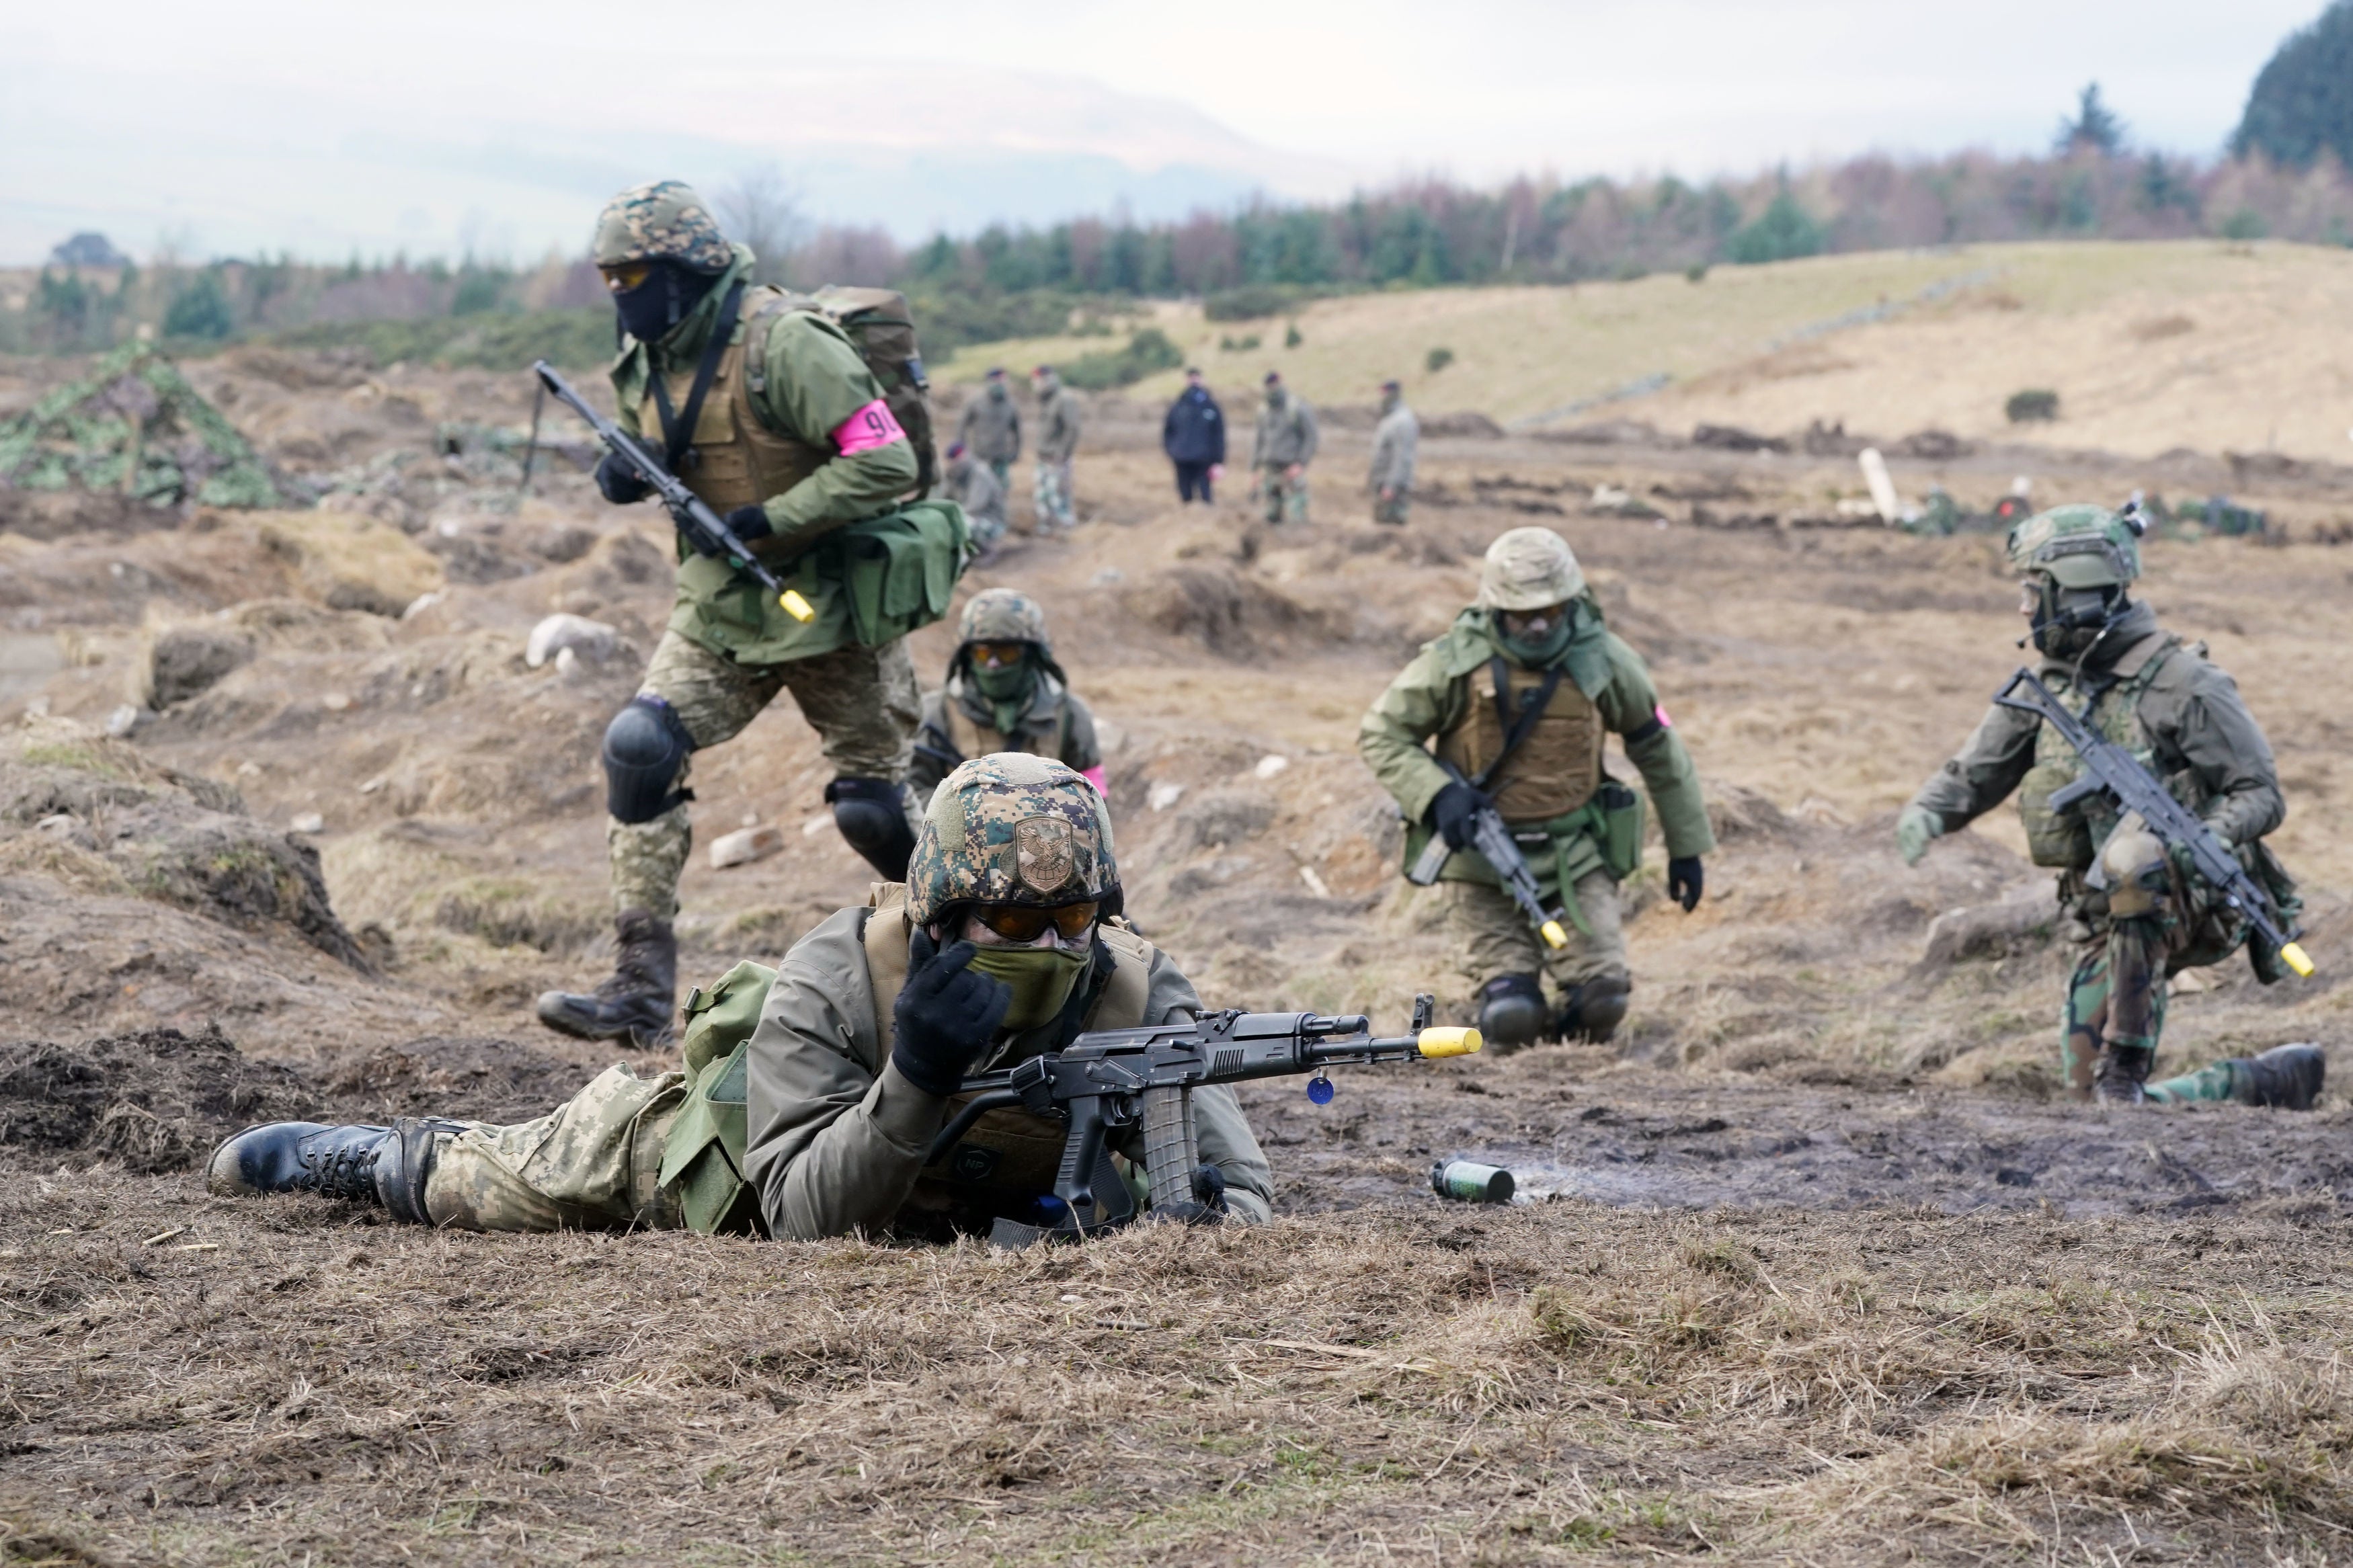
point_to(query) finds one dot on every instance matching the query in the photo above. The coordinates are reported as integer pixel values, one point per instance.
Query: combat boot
(637, 1001)
(381, 1165)
(1511, 1011)
(2286, 1077)
(1591, 1013)
(2122, 1072)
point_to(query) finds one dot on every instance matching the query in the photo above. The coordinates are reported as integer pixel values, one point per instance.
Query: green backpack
(883, 329)
(703, 1156)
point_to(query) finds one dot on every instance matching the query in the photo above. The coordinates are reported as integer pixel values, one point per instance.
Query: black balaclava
(668, 296)
(2070, 623)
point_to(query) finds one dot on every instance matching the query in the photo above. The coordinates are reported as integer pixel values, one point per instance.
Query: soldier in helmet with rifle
(2144, 893)
(1005, 692)
(761, 405)
(1492, 742)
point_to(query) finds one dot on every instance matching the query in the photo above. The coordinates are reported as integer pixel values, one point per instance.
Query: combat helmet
(1527, 568)
(1012, 828)
(661, 221)
(2079, 546)
(1004, 615)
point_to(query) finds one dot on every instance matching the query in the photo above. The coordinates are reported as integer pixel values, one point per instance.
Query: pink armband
(869, 427)
(1661, 715)
(1094, 775)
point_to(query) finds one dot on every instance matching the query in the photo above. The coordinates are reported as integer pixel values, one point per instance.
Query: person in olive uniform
(990, 426)
(1533, 660)
(1395, 440)
(1057, 445)
(1282, 447)
(1004, 693)
(2134, 916)
(766, 412)
(815, 1113)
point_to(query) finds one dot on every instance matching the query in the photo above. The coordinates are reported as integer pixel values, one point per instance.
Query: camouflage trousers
(1393, 509)
(1281, 500)
(861, 701)
(590, 1164)
(1003, 468)
(1052, 497)
(1494, 937)
(2117, 997)
(986, 527)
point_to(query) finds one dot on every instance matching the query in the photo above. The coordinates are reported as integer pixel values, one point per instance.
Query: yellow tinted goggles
(1025, 923)
(626, 275)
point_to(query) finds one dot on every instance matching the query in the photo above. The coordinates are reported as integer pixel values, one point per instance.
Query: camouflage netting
(133, 426)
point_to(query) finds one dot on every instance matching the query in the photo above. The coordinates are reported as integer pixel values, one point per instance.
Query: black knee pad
(1594, 1010)
(645, 745)
(1511, 1011)
(872, 816)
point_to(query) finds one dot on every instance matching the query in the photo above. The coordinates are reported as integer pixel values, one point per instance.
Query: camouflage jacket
(1431, 696)
(2189, 723)
(1395, 439)
(813, 382)
(973, 485)
(1058, 423)
(1056, 724)
(1286, 434)
(990, 426)
(836, 1135)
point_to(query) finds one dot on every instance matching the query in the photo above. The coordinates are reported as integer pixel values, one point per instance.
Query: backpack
(883, 329)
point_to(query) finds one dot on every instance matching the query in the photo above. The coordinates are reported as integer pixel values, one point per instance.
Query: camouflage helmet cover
(1011, 828)
(2078, 546)
(665, 219)
(1527, 568)
(1001, 615)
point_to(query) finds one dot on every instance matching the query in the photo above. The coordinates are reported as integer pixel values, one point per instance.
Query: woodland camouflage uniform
(961, 721)
(1058, 443)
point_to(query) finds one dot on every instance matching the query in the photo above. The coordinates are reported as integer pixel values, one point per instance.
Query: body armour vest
(971, 738)
(1554, 771)
(2069, 839)
(736, 459)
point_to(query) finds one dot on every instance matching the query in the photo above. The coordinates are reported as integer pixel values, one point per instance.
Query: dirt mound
(155, 1101)
(1229, 613)
(479, 1078)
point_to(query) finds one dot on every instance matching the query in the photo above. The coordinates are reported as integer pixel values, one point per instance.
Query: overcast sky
(432, 125)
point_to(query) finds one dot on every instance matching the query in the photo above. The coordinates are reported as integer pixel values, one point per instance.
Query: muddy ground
(1813, 1268)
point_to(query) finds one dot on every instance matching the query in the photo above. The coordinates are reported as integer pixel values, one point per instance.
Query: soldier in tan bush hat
(812, 1093)
(1517, 698)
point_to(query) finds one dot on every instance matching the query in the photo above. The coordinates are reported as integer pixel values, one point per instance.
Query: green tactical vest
(2068, 839)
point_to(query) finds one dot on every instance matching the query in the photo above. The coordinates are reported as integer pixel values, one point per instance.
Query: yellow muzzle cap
(2293, 955)
(1450, 1042)
(1554, 936)
(798, 607)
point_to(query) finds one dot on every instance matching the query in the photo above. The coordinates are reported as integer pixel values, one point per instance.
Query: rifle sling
(1514, 728)
(678, 432)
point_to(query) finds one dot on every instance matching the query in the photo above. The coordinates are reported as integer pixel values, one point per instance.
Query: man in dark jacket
(1193, 437)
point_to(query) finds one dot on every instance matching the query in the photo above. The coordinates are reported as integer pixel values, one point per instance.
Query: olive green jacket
(1057, 724)
(814, 382)
(836, 1134)
(2197, 725)
(1058, 422)
(990, 426)
(1286, 433)
(1431, 696)
(1395, 440)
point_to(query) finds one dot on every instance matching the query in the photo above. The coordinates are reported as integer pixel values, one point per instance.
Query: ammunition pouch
(702, 1158)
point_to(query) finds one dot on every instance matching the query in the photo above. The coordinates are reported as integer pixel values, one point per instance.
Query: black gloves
(1451, 813)
(750, 522)
(1683, 881)
(1207, 1204)
(945, 1016)
(618, 482)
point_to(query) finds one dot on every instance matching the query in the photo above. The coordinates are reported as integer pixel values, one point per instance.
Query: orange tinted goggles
(999, 654)
(1024, 923)
(628, 275)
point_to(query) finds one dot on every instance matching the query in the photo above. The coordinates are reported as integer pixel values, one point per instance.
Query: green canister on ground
(1466, 1181)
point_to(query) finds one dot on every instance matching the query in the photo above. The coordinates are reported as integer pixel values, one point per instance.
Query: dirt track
(1847, 1104)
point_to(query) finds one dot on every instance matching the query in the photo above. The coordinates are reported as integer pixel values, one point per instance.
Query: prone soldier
(1005, 692)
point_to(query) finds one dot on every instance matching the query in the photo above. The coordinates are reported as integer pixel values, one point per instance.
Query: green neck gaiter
(1540, 653)
(1009, 692)
(1042, 979)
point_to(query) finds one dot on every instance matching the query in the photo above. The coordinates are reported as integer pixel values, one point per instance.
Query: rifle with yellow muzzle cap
(1491, 836)
(1107, 1082)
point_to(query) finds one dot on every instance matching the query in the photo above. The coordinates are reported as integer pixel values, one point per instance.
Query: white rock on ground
(589, 639)
(745, 846)
(307, 822)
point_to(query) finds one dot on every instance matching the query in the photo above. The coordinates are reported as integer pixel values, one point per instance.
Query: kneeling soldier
(2140, 919)
(1518, 696)
(1004, 693)
(819, 1120)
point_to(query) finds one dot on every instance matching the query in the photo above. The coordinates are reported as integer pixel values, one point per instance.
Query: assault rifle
(1113, 1079)
(2108, 766)
(1491, 837)
(704, 529)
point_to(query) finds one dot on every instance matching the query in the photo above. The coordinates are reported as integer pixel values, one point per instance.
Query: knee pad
(1511, 1011)
(1592, 1012)
(645, 745)
(873, 817)
(2134, 864)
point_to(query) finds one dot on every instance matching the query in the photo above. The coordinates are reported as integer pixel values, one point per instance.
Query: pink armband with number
(1661, 715)
(1094, 775)
(869, 427)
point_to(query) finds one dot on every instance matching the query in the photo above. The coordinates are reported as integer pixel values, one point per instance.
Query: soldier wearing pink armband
(765, 408)
(1004, 693)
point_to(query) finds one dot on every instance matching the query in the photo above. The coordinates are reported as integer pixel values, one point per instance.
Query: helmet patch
(1044, 853)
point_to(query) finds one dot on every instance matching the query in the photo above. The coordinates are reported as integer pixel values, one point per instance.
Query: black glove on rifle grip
(1685, 879)
(750, 522)
(1451, 811)
(620, 482)
(945, 1017)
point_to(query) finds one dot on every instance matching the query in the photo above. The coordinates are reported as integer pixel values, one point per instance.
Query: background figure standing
(991, 427)
(1058, 442)
(1395, 439)
(1286, 445)
(971, 486)
(1193, 437)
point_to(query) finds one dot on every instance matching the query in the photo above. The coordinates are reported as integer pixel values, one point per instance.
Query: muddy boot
(1592, 1012)
(383, 1165)
(2122, 1072)
(2286, 1077)
(1511, 1011)
(637, 1001)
